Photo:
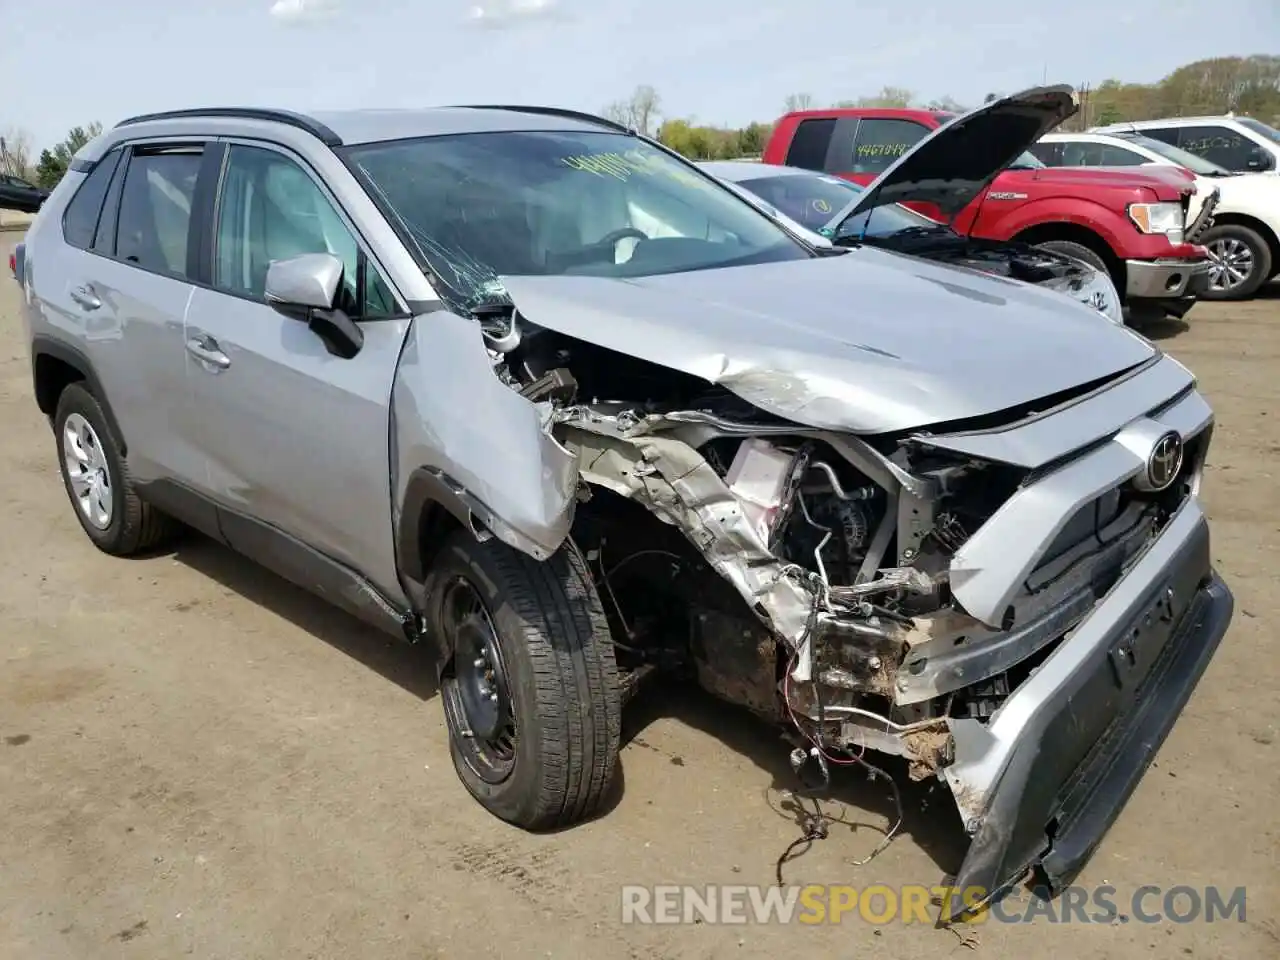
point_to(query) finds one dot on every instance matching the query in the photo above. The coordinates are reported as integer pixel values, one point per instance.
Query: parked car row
(539, 394)
(1243, 241)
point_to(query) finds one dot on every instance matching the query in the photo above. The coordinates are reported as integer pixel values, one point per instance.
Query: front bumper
(1165, 279)
(1044, 781)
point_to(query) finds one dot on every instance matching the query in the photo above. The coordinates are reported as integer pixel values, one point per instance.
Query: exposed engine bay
(1017, 261)
(804, 574)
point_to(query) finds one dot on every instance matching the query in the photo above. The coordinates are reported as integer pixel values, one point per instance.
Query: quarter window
(271, 209)
(155, 209)
(880, 142)
(81, 219)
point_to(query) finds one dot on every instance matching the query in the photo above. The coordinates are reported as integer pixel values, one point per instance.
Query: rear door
(119, 287)
(297, 440)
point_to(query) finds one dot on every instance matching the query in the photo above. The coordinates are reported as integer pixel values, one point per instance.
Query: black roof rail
(288, 117)
(549, 112)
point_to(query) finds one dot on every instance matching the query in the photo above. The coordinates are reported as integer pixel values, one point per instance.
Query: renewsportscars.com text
(881, 904)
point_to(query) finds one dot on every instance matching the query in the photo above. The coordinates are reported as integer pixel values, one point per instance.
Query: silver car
(535, 392)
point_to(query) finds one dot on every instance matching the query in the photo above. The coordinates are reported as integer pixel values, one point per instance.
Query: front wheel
(1077, 251)
(1241, 262)
(530, 692)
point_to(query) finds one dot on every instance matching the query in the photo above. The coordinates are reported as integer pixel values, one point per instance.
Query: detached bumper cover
(1080, 733)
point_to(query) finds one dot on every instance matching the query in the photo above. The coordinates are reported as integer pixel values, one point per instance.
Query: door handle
(85, 296)
(205, 349)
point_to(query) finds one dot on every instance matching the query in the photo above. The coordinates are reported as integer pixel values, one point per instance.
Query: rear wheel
(531, 690)
(97, 479)
(1241, 262)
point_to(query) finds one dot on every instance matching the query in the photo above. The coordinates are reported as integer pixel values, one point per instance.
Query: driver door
(296, 439)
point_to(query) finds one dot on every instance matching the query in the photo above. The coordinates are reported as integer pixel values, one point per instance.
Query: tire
(549, 664)
(127, 525)
(1245, 244)
(1078, 251)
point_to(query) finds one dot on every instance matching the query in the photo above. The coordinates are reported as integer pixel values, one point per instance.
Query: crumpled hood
(867, 342)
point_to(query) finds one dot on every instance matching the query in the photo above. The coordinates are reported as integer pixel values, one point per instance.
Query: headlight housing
(1165, 217)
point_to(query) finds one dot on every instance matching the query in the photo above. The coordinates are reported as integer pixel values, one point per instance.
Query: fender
(46, 346)
(1049, 210)
(466, 441)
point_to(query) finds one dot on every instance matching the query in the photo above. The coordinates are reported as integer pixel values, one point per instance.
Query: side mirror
(305, 288)
(309, 281)
(1260, 160)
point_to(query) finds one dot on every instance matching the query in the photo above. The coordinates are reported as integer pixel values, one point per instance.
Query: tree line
(1245, 85)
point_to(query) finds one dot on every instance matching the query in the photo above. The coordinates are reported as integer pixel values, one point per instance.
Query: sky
(718, 61)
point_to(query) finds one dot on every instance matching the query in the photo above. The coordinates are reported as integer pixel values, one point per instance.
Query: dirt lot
(198, 759)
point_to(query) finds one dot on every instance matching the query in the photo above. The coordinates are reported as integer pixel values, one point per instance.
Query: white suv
(1240, 144)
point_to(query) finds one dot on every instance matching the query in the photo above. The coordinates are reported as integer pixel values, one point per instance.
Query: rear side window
(809, 145)
(81, 218)
(881, 142)
(1088, 154)
(155, 209)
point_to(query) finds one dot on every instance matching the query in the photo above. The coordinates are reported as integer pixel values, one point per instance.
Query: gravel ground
(198, 759)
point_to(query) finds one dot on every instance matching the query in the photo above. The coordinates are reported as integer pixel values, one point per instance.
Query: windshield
(1257, 126)
(1183, 158)
(479, 206)
(1027, 161)
(813, 200)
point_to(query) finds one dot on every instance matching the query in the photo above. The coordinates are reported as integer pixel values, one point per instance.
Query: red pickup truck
(1137, 226)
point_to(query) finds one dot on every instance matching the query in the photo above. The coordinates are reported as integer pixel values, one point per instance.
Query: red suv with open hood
(974, 172)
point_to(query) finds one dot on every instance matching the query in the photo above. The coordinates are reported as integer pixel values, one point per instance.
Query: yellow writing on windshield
(624, 165)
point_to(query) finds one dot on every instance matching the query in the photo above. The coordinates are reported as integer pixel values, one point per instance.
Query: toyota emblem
(1165, 461)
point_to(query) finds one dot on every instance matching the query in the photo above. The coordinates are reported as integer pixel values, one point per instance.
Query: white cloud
(503, 13)
(302, 11)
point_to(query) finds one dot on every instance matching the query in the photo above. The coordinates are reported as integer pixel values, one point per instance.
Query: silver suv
(534, 390)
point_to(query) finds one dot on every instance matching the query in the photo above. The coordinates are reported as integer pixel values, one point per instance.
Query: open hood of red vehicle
(958, 160)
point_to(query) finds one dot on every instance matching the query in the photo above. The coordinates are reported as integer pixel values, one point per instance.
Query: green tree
(53, 163)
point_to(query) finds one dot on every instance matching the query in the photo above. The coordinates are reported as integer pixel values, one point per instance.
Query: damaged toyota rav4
(530, 389)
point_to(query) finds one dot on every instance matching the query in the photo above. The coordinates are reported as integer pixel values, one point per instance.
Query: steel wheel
(87, 471)
(1233, 264)
(477, 696)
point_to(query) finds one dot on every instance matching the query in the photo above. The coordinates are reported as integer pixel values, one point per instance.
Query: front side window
(880, 142)
(1217, 144)
(1050, 154)
(271, 209)
(1183, 158)
(155, 209)
(477, 207)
